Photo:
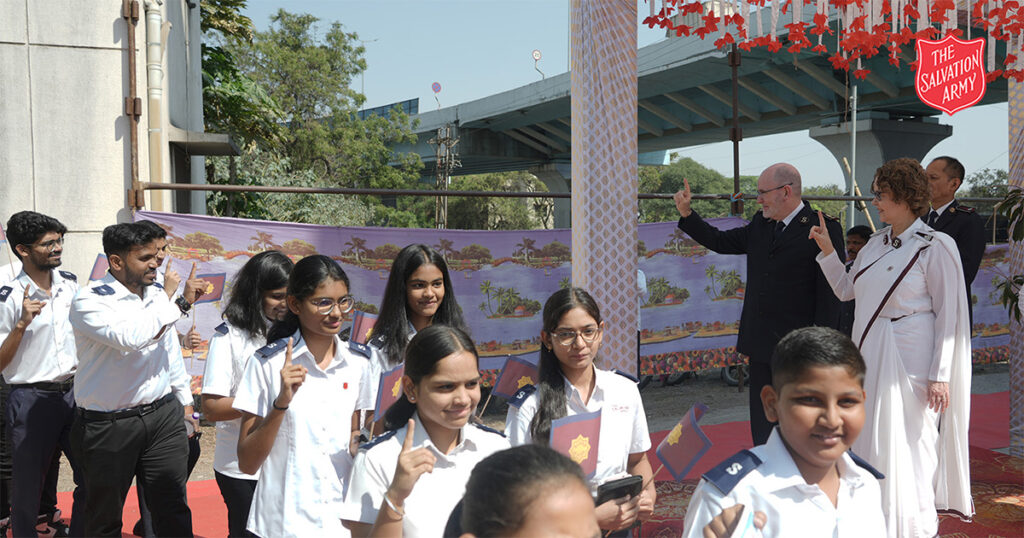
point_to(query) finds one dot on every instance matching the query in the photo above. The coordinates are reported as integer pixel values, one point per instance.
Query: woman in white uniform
(570, 384)
(407, 481)
(257, 300)
(911, 325)
(418, 293)
(299, 399)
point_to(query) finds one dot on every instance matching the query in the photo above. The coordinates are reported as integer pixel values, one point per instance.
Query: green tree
(703, 180)
(835, 208)
(987, 183)
(499, 213)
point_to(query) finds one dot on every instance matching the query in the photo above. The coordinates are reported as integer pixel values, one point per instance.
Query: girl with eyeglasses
(407, 481)
(570, 384)
(296, 396)
(257, 299)
(418, 294)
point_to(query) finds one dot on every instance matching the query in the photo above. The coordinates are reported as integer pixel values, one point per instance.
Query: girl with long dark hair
(569, 384)
(296, 396)
(257, 299)
(429, 436)
(418, 294)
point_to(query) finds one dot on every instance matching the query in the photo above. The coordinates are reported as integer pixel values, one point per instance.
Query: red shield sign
(950, 74)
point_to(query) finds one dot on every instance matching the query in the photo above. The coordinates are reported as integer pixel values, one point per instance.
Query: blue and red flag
(516, 374)
(214, 287)
(362, 329)
(578, 437)
(99, 267)
(389, 390)
(684, 446)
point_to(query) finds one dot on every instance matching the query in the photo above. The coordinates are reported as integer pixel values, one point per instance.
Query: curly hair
(906, 182)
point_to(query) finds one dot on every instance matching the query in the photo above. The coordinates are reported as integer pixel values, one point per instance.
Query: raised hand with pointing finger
(682, 199)
(194, 287)
(292, 377)
(412, 463)
(171, 280)
(821, 236)
(30, 308)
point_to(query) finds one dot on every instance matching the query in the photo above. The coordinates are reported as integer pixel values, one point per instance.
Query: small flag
(388, 390)
(214, 287)
(683, 447)
(577, 437)
(362, 329)
(516, 374)
(99, 267)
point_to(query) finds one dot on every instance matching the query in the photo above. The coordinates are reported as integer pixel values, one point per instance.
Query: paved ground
(664, 407)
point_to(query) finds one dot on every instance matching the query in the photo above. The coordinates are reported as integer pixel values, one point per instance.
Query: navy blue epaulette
(222, 328)
(68, 275)
(965, 208)
(377, 440)
(626, 375)
(867, 466)
(272, 348)
(5, 292)
(727, 474)
(488, 429)
(158, 285)
(377, 341)
(521, 395)
(103, 290)
(925, 235)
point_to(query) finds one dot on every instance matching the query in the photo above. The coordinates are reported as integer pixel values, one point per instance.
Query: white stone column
(604, 168)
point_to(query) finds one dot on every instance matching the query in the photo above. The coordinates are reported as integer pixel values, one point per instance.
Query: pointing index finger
(288, 353)
(409, 431)
(686, 186)
(167, 268)
(192, 275)
(821, 219)
(26, 292)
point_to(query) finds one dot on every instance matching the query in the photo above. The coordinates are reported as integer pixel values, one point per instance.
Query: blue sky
(476, 48)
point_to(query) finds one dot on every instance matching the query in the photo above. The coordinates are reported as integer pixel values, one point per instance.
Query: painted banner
(689, 317)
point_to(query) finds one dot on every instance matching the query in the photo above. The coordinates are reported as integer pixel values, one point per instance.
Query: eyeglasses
(50, 245)
(762, 193)
(877, 194)
(567, 338)
(325, 305)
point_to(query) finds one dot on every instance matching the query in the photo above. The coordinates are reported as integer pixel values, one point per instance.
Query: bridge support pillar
(879, 139)
(604, 168)
(557, 178)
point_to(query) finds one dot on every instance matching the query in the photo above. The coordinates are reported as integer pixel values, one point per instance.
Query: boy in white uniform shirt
(804, 480)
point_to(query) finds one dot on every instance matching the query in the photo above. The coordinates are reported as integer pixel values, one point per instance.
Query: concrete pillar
(556, 176)
(1015, 109)
(604, 168)
(879, 139)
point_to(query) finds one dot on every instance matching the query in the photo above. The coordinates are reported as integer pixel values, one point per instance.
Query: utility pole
(447, 160)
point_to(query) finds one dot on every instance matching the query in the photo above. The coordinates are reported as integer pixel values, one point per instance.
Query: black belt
(137, 411)
(49, 386)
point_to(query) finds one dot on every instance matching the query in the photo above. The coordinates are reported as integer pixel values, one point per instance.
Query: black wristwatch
(183, 305)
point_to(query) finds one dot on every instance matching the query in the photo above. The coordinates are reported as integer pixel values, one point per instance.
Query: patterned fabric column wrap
(604, 169)
(1015, 107)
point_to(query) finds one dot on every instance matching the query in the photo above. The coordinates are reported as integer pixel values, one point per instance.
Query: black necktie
(932, 217)
(779, 227)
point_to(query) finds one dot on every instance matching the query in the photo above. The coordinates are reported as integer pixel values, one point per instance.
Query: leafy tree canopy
(500, 213)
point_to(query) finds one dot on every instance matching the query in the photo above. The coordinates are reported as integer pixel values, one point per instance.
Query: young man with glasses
(132, 386)
(959, 221)
(38, 361)
(785, 289)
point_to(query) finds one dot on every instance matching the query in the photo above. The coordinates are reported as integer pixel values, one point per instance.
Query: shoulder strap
(888, 294)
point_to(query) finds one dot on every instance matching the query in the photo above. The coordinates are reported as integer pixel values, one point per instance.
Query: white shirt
(793, 507)
(789, 217)
(11, 270)
(303, 480)
(230, 349)
(623, 422)
(435, 494)
(122, 362)
(47, 350)
(641, 295)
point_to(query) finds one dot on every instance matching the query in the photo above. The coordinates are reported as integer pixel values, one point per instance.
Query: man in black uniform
(961, 222)
(785, 288)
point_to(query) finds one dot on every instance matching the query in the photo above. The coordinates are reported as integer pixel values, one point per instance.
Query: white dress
(921, 334)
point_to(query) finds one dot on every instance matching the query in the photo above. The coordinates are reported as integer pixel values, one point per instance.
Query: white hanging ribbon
(775, 18)
(759, 31)
(745, 13)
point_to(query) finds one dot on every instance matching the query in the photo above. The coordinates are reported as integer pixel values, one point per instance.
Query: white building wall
(64, 139)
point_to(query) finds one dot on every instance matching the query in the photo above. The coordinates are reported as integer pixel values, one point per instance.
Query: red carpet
(990, 421)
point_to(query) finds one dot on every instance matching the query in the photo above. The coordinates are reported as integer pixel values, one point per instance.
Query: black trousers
(237, 493)
(760, 428)
(144, 526)
(39, 423)
(155, 448)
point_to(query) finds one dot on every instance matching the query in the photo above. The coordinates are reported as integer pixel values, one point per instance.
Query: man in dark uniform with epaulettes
(959, 221)
(785, 288)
